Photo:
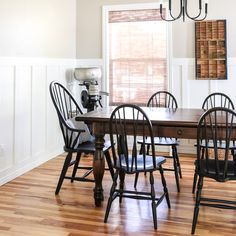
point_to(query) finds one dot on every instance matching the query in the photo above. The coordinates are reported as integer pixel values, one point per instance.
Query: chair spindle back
(217, 100)
(162, 99)
(216, 126)
(126, 136)
(67, 108)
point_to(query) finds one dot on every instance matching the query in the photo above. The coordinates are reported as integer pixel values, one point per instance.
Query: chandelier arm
(193, 18)
(201, 19)
(170, 13)
(199, 14)
(167, 19)
(186, 10)
(176, 18)
(181, 10)
(162, 15)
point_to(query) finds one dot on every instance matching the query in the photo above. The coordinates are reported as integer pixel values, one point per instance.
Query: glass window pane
(138, 60)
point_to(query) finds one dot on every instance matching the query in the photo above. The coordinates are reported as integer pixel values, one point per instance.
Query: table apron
(185, 132)
(176, 132)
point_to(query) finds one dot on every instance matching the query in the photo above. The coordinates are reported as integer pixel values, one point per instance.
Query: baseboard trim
(16, 172)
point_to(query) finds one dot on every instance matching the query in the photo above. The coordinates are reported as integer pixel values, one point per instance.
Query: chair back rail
(162, 99)
(217, 100)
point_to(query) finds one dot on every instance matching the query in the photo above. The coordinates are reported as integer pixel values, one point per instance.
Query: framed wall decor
(211, 50)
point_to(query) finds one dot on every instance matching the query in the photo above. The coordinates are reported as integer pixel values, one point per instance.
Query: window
(136, 55)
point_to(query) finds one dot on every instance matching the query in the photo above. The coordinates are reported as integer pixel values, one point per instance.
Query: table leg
(98, 169)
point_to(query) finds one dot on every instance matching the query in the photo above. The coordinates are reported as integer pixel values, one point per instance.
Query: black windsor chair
(131, 119)
(215, 100)
(215, 126)
(167, 100)
(77, 137)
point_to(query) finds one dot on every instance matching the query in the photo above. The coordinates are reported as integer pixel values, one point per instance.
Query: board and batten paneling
(7, 118)
(190, 92)
(22, 115)
(39, 103)
(30, 132)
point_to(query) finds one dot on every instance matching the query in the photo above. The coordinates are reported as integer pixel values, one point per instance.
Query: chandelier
(183, 11)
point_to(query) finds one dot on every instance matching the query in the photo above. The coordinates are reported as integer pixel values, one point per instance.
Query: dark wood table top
(178, 123)
(161, 116)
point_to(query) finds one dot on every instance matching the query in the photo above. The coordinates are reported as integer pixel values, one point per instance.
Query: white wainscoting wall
(30, 133)
(190, 92)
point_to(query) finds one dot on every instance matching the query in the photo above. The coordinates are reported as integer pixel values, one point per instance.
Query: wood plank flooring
(28, 206)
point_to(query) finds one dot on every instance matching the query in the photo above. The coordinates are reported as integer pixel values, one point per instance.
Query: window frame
(105, 40)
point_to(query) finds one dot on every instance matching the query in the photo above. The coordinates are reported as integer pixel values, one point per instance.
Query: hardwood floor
(28, 206)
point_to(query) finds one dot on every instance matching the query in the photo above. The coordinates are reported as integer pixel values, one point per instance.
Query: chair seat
(208, 169)
(220, 144)
(161, 141)
(89, 147)
(149, 166)
(164, 142)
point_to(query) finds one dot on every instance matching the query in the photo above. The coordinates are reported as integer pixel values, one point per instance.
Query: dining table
(178, 123)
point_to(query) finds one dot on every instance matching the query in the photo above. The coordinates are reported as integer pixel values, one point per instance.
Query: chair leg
(75, 166)
(194, 180)
(154, 205)
(197, 203)
(112, 191)
(141, 149)
(122, 181)
(233, 154)
(109, 163)
(164, 186)
(176, 174)
(136, 180)
(148, 149)
(63, 172)
(176, 156)
(196, 171)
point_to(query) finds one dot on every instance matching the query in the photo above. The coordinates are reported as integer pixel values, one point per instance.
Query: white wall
(38, 41)
(190, 92)
(183, 32)
(30, 132)
(37, 45)
(89, 26)
(38, 28)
